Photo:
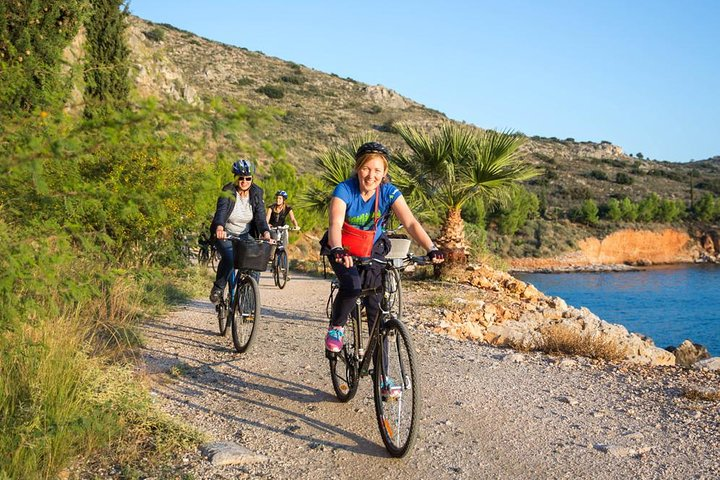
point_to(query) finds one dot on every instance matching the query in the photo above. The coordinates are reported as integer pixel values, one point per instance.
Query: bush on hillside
(271, 91)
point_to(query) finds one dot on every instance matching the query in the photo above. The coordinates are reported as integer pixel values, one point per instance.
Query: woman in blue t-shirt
(354, 201)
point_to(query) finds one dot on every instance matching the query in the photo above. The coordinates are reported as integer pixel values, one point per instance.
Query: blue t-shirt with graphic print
(359, 212)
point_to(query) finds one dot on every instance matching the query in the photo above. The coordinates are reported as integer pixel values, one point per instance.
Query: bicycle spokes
(397, 397)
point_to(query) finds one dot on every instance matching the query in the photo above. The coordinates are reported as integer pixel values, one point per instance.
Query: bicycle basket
(252, 255)
(399, 248)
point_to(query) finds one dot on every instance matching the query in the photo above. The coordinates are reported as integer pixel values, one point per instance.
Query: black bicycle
(389, 348)
(280, 259)
(240, 309)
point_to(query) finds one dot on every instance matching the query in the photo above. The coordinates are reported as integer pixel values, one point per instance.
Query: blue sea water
(668, 304)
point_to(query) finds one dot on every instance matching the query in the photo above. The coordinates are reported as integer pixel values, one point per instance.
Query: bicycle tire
(344, 366)
(203, 257)
(393, 292)
(276, 270)
(214, 259)
(282, 269)
(224, 314)
(398, 417)
(247, 313)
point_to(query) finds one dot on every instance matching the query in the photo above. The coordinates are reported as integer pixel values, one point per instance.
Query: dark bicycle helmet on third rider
(242, 167)
(372, 147)
(281, 193)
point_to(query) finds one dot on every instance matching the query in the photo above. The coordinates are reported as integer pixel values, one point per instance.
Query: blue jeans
(227, 262)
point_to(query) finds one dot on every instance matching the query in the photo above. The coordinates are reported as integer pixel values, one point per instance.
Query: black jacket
(226, 203)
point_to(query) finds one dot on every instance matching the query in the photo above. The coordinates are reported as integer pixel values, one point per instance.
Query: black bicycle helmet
(242, 167)
(281, 193)
(371, 147)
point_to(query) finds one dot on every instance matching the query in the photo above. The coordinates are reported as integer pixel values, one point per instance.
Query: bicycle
(280, 259)
(390, 349)
(240, 308)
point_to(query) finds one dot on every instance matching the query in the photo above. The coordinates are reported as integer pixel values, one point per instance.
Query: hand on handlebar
(436, 256)
(340, 255)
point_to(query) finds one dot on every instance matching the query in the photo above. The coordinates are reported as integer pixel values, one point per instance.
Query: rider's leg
(349, 291)
(225, 248)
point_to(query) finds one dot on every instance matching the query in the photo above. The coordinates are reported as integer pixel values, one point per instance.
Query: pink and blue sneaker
(334, 339)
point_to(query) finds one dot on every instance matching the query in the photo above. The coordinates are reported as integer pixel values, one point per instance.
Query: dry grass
(562, 339)
(706, 395)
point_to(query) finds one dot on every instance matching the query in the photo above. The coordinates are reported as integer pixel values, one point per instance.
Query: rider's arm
(292, 217)
(337, 218)
(407, 219)
(267, 217)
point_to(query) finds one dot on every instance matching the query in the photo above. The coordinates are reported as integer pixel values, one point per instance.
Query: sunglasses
(245, 179)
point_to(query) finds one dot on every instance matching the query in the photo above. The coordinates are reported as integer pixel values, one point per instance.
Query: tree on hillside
(33, 35)
(512, 215)
(454, 165)
(106, 69)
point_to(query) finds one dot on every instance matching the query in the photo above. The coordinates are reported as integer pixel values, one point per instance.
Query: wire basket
(252, 255)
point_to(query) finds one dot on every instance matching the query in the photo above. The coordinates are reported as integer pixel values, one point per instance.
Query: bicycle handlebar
(285, 227)
(230, 236)
(407, 260)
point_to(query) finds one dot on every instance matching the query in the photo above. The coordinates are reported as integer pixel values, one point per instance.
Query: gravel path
(488, 412)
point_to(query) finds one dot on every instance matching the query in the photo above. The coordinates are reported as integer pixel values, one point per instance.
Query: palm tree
(456, 165)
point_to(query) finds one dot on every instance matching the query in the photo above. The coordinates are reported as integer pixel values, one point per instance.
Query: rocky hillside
(318, 109)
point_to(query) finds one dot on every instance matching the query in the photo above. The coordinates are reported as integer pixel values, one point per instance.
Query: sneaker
(389, 390)
(334, 339)
(216, 295)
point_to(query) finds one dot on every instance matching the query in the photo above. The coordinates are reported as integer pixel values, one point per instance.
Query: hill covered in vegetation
(317, 110)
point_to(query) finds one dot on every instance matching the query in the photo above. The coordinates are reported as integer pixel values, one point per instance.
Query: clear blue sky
(642, 74)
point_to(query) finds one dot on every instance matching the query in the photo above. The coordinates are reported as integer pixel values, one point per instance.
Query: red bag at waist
(357, 242)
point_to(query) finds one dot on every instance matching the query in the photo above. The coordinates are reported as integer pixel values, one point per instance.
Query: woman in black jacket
(240, 211)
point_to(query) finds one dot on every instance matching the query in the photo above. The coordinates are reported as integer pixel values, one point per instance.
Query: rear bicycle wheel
(282, 269)
(344, 365)
(396, 389)
(246, 313)
(214, 259)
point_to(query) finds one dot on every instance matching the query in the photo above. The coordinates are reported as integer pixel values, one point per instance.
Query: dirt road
(488, 412)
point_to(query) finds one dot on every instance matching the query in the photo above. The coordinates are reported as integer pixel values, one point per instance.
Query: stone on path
(230, 453)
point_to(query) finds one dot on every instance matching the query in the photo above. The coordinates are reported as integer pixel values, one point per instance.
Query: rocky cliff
(630, 247)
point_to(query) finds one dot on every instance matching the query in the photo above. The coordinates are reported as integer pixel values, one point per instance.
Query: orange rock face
(634, 246)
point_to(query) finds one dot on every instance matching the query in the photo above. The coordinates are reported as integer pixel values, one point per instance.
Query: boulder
(689, 353)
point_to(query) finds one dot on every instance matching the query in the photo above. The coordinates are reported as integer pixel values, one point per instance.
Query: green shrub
(155, 35)
(623, 178)
(271, 91)
(244, 81)
(598, 175)
(294, 79)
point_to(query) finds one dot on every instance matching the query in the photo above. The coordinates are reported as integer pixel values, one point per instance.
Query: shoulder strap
(376, 217)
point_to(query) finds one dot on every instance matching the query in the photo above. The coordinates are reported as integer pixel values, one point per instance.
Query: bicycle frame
(365, 356)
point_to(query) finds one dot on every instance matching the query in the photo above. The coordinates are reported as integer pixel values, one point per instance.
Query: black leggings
(352, 280)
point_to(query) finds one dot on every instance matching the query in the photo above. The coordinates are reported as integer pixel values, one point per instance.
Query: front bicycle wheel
(393, 292)
(247, 313)
(282, 269)
(224, 314)
(396, 389)
(344, 364)
(275, 270)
